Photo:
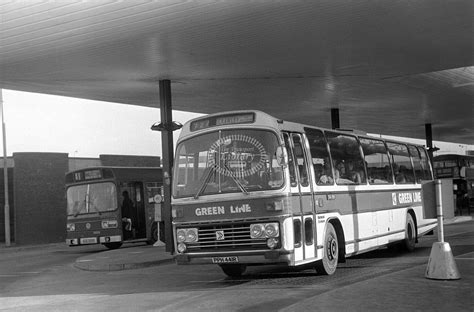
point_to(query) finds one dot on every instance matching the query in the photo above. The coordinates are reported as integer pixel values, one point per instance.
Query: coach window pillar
(166, 127)
(335, 118)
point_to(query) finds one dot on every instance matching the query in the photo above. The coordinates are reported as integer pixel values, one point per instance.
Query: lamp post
(5, 177)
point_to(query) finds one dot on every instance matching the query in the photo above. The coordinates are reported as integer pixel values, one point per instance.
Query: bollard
(158, 243)
(441, 264)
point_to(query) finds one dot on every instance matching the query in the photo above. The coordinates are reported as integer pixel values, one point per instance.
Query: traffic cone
(441, 264)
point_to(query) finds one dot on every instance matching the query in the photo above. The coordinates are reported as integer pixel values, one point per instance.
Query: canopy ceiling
(389, 66)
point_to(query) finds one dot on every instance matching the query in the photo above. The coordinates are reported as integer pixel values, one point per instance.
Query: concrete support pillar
(335, 118)
(167, 154)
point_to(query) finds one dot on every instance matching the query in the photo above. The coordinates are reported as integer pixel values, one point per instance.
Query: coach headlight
(187, 235)
(181, 247)
(191, 235)
(180, 235)
(272, 242)
(256, 230)
(271, 230)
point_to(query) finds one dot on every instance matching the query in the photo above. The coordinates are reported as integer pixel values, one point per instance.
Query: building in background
(37, 192)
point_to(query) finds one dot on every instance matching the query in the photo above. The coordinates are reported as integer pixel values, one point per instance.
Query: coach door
(302, 199)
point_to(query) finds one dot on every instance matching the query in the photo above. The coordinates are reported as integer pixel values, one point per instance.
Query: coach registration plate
(232, 259)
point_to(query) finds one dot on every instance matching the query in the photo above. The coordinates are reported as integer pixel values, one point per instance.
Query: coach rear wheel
(328, 265)
(233, 270)
(410, 234)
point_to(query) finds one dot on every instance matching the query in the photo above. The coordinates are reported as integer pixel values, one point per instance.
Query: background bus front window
(91, 198)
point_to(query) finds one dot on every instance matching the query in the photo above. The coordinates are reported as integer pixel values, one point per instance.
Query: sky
(84, 128)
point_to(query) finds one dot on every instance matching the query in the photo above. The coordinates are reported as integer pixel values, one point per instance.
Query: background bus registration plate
(89, 240)
(232, 259)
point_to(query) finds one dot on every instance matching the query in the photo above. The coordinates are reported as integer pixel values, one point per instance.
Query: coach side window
(425, 164)
(291, 162)
(320, 157)
(376, 158)
(347, 159)
(300, 159)
(402, 167)
(417, 163)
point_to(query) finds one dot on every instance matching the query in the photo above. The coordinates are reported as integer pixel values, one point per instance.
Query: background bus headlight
(109, 224)
(271, 229)
(256, 230)
(71, 227)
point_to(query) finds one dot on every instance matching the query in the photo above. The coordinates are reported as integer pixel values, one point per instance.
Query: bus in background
(459, 168)
(113, 205)
(250, 189)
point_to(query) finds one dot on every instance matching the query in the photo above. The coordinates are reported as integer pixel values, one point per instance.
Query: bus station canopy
(389, 66)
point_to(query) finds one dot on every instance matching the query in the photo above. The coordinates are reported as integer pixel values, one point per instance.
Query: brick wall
(10, 203)
(130, 161)
(39, 197)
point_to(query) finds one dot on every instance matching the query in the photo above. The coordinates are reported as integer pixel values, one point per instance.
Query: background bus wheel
(233, 270)
(154, 235)
(114, 245)
(410, 234)
(328, 265)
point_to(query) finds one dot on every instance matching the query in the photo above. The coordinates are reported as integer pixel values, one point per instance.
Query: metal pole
(335, 118)
(5, 177)
(439, 211)
(167, 152)
(429, 140)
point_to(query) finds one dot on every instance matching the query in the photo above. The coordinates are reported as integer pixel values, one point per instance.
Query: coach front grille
(235, 237)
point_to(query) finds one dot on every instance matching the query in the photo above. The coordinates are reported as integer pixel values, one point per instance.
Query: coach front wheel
(328, 265)
(233, 270)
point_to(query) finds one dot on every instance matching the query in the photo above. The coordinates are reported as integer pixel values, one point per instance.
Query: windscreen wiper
(206, 180)
(79, 207)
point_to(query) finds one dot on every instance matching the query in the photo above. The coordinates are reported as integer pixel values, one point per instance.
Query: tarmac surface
(124, 259)
(148, 255)
(398, 290)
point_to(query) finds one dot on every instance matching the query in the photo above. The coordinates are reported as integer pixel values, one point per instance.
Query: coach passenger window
(291, 163)
(376, 158)
(402, 167)
(425, 164)
(347, 160)
(320, 157)
(416, 158)
(300, 160)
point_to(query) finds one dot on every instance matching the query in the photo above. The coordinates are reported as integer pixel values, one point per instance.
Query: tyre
(233, 270)
(328, 265)
(154, 234)
(410, 234)
(114, 245)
